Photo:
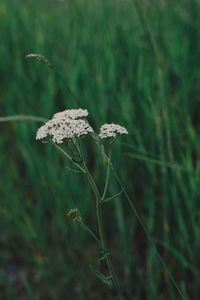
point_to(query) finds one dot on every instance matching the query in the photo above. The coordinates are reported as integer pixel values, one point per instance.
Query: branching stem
(100, 221)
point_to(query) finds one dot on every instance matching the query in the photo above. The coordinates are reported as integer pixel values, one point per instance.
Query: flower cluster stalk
(101, 241)
(100, 226)
(99, 201)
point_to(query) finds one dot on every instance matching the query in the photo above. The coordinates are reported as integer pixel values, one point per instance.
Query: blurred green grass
(135, 63)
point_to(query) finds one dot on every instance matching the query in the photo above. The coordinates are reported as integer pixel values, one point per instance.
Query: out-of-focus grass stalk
(22, 118)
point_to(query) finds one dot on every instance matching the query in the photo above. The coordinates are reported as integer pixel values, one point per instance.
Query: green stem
(101, 231)
(107, 176)
(90, 232)
(69, 157)
(109, 262)
(99, 217)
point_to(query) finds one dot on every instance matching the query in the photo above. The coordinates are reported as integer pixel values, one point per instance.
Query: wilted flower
(64, 126)
(111, 130)
(75, 215)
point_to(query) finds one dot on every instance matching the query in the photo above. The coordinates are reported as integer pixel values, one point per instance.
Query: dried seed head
(75, 215)
(111, 130)
(40, 58)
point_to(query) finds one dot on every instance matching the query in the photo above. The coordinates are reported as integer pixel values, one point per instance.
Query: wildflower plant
(65, 130)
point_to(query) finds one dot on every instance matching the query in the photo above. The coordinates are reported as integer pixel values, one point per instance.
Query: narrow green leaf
(73, 170)
(112, 197)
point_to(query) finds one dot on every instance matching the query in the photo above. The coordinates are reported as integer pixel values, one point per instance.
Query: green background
(131, 62)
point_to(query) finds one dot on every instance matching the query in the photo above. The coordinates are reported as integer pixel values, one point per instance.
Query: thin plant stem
(103, 197)
(99, 216)
(90, 232)
(101, 231)
(107, 176)
(68, 156)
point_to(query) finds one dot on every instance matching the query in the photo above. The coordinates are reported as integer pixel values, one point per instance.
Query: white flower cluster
(65, 125)
(111, 130)
(72, 114)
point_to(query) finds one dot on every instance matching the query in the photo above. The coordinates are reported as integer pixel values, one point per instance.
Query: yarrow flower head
(111, 130)
(72, 114)
(64, 126)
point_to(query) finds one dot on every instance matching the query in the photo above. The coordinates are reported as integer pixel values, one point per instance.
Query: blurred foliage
(132, 62)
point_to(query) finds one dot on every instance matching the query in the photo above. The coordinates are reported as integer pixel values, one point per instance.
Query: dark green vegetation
(132, 62)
